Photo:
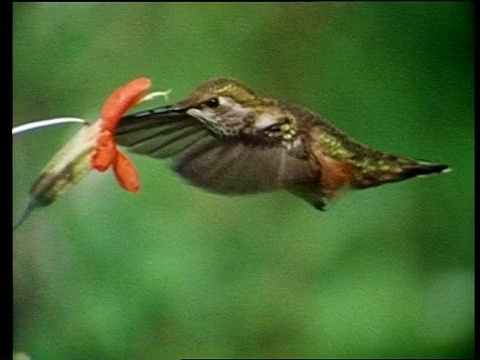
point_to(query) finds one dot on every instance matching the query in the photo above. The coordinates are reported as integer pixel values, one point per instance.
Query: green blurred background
(178, 272)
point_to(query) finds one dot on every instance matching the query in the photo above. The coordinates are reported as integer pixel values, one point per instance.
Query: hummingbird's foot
(319, 205)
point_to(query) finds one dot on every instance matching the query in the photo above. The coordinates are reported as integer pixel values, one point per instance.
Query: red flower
(107, 153)
(92, 147)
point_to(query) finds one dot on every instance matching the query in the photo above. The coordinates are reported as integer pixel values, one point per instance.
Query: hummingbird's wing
(236, 168)
(160, 135)
(226, 166)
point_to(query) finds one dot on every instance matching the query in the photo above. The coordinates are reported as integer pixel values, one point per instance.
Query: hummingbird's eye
(212, 103)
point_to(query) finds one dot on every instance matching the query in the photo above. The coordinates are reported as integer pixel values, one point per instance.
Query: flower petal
(121, 100)
(106, 152)
(126, 173)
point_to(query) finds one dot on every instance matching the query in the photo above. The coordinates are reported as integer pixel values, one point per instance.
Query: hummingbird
(226, 139)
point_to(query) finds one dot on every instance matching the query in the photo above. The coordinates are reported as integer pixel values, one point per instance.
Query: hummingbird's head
(223, 105)
(229, 109)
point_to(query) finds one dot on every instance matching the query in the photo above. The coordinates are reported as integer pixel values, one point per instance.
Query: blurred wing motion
(226, 166)
(237, 168)
(160, 133)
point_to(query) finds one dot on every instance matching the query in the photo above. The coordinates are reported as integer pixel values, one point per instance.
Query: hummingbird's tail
(423, 168)
(393, 169)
